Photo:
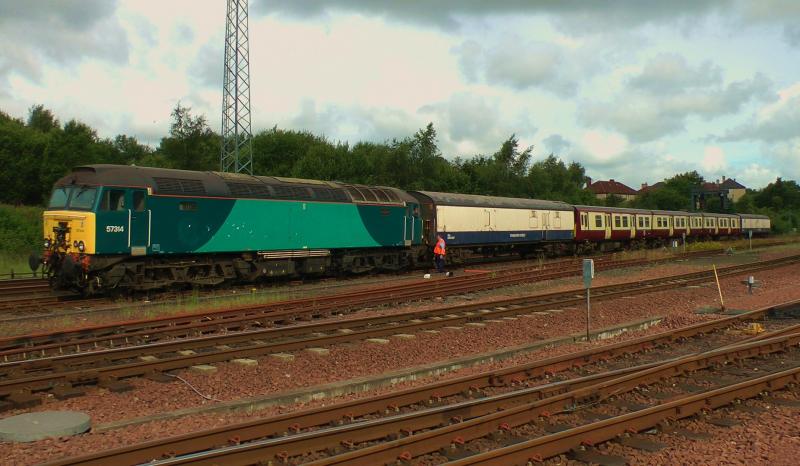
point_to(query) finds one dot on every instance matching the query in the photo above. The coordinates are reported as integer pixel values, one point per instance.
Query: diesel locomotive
(115, 227)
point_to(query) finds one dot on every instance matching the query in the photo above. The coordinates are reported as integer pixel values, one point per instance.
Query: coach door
(608, 226)
(139, 219)
(545, 224)
(408, 226)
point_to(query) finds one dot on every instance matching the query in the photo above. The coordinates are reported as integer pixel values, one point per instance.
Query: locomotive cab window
(82, 198)
(59, 198)
(138, 201)
(113, 200)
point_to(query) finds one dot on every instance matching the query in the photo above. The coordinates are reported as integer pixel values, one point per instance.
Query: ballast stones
(30, 427)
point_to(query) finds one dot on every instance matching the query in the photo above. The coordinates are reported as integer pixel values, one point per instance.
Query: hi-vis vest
(439, 248)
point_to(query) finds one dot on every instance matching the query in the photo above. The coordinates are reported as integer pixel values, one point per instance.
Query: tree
(77, 144)
(129, 150)
(191, 144)
(42, 119)
(21, 153)
(674, 194)
(614, 200)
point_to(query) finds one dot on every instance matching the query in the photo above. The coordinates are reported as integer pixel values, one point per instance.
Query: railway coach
(491, 225)
(758, 224)
(111, 226)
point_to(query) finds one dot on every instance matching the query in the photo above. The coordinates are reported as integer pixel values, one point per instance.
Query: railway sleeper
(114, 385)
(20, 400)
(66, 391)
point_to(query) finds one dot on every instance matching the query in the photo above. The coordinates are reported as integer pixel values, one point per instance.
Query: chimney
(723, 178)
(644, 185)
(611, 180)
(588, 181)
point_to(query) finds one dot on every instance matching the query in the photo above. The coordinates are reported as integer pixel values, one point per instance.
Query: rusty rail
(432, 440)
(300, 421)
(308, 308)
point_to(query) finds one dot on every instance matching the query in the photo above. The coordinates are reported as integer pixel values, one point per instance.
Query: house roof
(611, 187)
(652, 187)
(731, 183)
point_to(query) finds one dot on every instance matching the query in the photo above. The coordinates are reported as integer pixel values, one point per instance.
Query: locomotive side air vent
(179, 186)
(249, 190)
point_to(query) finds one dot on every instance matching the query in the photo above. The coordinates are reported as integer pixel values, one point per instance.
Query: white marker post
(588, 275)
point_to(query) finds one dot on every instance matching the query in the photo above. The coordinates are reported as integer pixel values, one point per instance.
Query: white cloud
(518, 64)
(714, 159)
(757, 176)
(603, 146)
(661, 98)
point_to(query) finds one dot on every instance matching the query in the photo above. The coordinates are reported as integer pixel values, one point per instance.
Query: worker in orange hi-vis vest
(439, 253)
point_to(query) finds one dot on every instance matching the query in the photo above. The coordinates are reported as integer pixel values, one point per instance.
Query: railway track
(565, 421)
(416, 422)
(152, 352)
(32, 298)
(300, 310)
(21, 287)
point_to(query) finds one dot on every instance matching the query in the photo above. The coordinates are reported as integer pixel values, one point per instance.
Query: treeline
(39, 150)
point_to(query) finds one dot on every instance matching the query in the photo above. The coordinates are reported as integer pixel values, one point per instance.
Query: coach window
(617, 222)
(625, 223)
(138, 201)
(113, 200)
(584, 220)
(598, 221)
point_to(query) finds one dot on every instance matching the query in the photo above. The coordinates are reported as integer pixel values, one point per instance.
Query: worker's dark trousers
(439, 263)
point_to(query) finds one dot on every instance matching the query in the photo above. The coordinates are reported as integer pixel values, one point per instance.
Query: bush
(20, 230)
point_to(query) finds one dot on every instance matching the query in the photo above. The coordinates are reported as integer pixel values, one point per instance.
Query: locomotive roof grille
(291, 192)
(250, 190)
(328, 194)
(179, 186)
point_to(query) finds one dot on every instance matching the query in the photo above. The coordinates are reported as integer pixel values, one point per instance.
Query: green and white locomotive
(126, 227)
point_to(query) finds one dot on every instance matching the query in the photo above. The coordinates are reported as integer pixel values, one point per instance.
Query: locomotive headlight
(47, 243)
(81, 246)
(74, 244)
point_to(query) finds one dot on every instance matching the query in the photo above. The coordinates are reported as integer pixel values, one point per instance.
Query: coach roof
(473, 200)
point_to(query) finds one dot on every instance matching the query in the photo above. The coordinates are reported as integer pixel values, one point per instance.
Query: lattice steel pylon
(237, 147)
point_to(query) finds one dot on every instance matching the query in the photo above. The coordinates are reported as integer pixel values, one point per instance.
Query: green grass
(20, 230)
(16, 263)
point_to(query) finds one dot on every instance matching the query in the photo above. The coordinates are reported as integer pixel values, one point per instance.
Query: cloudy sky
(634, 90)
